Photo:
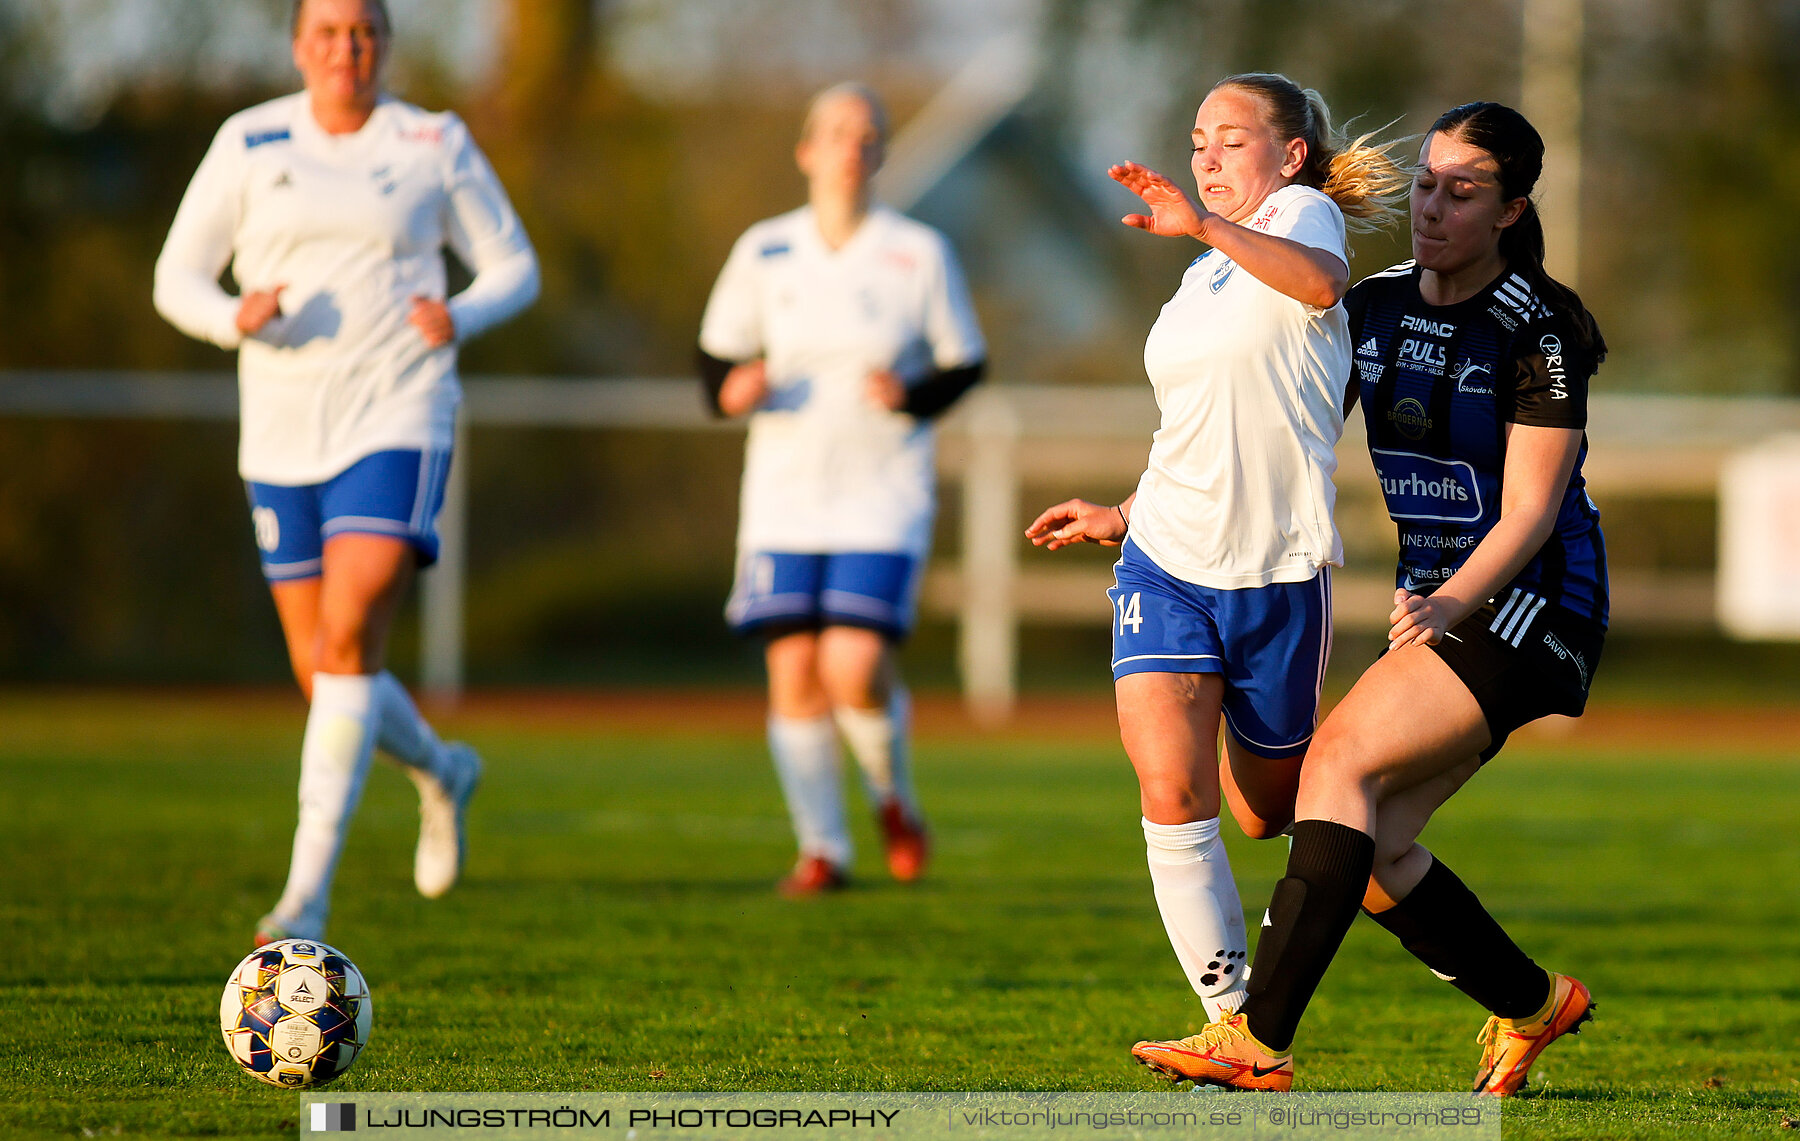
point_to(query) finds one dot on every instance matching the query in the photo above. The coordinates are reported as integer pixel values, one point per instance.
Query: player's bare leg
(1169, 724)
(1259, 790)
(803, 741)
(363, 580)
(873, 711)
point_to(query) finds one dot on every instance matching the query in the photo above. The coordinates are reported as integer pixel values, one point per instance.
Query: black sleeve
(712, 377)
(1550, 373)
(928, 398)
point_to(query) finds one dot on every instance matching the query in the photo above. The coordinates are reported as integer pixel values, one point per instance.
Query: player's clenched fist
(745, 387)
(258, 309)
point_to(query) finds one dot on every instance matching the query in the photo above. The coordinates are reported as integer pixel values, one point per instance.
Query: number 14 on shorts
(1131, 611)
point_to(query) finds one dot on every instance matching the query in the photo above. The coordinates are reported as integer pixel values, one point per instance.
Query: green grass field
(617, 929)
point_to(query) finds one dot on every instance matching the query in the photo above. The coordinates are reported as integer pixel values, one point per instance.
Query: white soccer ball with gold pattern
(295, 1013)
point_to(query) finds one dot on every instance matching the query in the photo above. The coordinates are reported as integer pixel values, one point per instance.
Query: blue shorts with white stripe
(1270, 644)
(394, 493)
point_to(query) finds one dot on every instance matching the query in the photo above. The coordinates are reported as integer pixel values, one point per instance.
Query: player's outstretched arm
(1311, 276)
(1078, 521)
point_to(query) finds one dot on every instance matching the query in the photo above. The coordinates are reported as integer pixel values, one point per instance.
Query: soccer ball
(295, 1013)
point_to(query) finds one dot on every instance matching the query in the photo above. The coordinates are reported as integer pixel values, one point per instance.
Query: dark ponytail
(1516, 145)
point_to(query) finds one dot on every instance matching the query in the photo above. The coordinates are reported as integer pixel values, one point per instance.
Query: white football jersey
(826, 469)
(1238, 491)
(354, 226)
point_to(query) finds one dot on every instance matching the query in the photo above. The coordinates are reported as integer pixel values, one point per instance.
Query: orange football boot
(812, 875)
(1223, 1054)
(907, 849)
(1513, 1044)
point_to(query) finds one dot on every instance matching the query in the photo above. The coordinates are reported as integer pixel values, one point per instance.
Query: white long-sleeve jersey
(353, 227)
(825, 470)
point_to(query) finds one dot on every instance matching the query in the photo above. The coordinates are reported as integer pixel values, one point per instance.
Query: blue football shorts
(1271, 644)
(387, 493)
(778, 591)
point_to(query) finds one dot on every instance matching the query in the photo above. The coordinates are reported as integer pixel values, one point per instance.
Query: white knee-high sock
(881, 740)
(334, 759)
(807, 762)
(1198, 899)
(401, 732)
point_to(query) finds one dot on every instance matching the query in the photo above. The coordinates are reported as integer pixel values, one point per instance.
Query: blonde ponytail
(1366, 183)
(1359, 175)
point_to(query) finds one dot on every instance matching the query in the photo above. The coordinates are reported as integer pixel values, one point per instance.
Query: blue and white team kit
(838, 494)
(347, 413)
(1271, 644)
(1227, 567)
(397, 493)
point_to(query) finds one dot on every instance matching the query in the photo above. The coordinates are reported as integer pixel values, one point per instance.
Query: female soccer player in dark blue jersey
(1473, 367)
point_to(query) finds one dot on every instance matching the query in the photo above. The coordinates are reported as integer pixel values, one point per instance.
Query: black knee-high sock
(1445, 927)
(1313, 906)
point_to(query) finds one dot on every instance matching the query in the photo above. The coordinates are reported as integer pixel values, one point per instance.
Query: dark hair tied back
(1519, 150)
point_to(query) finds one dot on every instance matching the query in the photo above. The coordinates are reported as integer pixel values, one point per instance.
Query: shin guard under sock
(1312, 907)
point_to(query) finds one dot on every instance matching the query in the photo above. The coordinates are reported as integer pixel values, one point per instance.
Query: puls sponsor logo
(1428, 327)
(1565, 654)
(1551, 346)
(1424, 354)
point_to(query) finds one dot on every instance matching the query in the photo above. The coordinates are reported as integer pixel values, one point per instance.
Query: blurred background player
(1474, 367)
(841, 329)
(333, 207)
(1222, 602)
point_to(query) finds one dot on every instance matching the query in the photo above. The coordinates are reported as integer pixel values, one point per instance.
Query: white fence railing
(1058, 440)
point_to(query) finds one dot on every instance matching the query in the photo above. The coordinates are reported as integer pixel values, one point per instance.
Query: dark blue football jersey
(1439, 385)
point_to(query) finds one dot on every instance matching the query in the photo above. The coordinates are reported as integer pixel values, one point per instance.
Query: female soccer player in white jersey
(333, 207)
(841, 329)
(1473, 366)
(1222, 602)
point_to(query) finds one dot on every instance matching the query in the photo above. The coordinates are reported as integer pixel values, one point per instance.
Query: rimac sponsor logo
(1468, 379)
(1551, 346)
(1428, 327)
(1563, 652)
(1409, 419)
(1426, 488)
(1425, 355)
